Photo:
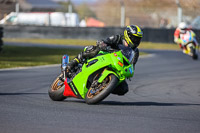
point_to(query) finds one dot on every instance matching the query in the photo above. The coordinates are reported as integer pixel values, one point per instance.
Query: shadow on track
(115, 103)
(110, 103)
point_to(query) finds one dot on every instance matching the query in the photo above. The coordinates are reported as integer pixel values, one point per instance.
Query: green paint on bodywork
(108, 62)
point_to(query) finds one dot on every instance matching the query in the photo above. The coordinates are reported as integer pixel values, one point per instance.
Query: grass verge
(13, 56)
(143, 45)
(158, 46)
(52, 41)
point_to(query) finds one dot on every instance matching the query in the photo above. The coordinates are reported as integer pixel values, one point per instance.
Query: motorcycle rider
(182, 29)
(131, 38)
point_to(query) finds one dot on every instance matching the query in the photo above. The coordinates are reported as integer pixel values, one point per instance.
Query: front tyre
(194, 54)
(195, 57)
(56, 90)
(101, 91)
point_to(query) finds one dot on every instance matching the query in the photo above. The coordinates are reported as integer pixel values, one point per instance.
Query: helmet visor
(135, 40)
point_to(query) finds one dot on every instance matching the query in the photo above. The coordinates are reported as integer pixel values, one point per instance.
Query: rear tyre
(56, 90)
(101, 91)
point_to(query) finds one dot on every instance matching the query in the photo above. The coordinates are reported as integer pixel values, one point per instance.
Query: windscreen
(127, 52)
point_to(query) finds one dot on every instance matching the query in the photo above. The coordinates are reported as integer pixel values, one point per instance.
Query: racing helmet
(133, 35)
(183, 27)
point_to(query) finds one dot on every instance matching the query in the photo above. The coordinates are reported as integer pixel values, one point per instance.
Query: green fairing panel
(80, 81)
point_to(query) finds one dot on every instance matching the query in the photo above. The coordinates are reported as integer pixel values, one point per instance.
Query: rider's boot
(180, 45)
(121, 89)
(90, 52)
(70, 67)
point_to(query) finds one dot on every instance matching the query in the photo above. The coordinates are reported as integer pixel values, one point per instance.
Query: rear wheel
(96, 93)
(56, 90)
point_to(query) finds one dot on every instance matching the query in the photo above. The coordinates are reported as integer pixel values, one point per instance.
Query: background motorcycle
(189, 46)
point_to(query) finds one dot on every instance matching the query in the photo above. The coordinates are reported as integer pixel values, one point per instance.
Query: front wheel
(195, 57)
(194, 54)
(99, 92)
(56, 90)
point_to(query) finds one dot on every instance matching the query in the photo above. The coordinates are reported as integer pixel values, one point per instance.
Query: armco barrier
(158, 35)
(150, 34)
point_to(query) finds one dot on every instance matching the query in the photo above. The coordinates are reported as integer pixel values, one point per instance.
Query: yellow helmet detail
(133, 35)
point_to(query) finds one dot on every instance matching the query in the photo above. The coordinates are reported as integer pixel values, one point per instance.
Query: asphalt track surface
(163, 97)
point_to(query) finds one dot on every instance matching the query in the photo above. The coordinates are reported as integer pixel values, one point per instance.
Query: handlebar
(109, 49)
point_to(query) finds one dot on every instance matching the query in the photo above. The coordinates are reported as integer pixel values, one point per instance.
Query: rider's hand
(101, 45)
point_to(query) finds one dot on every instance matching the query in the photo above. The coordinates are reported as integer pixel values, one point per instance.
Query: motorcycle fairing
(108, 60)
(71, 90)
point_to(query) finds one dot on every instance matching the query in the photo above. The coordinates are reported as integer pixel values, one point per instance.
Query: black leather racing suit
(91, 51)
(116, 40)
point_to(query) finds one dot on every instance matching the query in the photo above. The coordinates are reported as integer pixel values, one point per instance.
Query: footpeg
(60, 78)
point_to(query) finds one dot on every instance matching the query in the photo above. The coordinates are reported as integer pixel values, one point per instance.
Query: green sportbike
(96, 78)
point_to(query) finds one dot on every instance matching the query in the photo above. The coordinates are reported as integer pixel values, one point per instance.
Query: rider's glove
(101, 45)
